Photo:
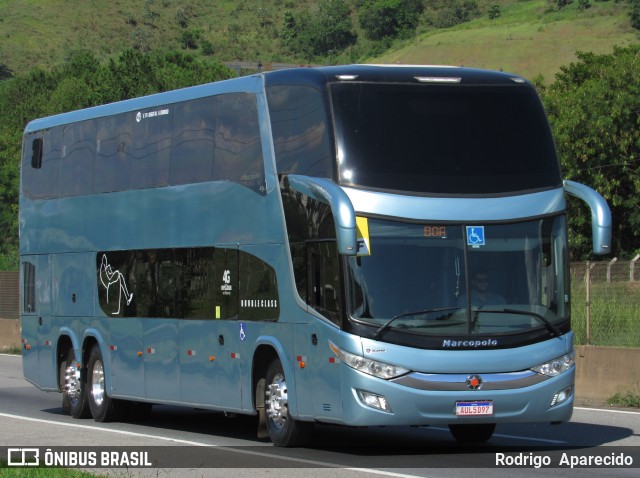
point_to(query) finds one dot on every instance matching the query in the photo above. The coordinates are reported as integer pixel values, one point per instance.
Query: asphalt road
(197, 443)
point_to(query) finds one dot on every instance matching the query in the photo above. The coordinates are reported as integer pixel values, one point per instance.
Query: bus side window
(192, 141)
(78, 154)
(300, 130)
(41, 165)
(258, 289)
(113, 158)
(36, 153)
(238, 150)
(28, 288)
(151, 152)
(324, 279)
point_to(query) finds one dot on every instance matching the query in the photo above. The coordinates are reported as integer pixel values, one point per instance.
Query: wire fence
(605, 302)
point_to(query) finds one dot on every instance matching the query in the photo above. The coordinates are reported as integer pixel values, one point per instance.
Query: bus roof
(315, 76)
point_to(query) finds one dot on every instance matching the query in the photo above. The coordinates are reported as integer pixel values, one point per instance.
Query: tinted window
(114, 146)
(300, 131)
(186, 283)
(151, 151)
(443, 139)
(213, 138)
(324, 279)
(258, 289)
(192, 143)
(238, 150)
(41, 169)
(28, 288)
(78, 154)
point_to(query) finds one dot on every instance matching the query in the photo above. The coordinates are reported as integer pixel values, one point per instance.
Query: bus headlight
(371, 367)
(556, 366)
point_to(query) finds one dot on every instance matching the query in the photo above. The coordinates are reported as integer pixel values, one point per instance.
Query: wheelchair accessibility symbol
(475, 236)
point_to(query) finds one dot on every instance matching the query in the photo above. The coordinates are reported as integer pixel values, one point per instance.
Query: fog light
(374, 400)
(561, 396)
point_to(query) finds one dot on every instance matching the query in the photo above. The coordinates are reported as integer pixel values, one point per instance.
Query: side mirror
(344, 215)
(600, 215)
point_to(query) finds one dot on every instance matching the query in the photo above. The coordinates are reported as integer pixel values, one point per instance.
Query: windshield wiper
(386, 325)
(547, 323)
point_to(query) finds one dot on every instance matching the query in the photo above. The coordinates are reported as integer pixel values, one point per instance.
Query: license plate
(474, 409)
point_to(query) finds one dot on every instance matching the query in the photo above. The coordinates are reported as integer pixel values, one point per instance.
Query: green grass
(615, 314)
(42, 473)
(625, 399)
(526, 39)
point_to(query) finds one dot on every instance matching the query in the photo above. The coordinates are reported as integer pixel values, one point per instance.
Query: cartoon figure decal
(109, 277)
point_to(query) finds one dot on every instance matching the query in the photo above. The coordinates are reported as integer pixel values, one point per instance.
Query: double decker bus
(356, 245)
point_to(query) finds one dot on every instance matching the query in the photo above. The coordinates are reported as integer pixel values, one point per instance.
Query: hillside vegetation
(524, 37)
(527, 38)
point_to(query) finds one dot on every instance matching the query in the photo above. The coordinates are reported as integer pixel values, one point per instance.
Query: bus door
(73, 304)
(39, 345)
(160, 331)
(127, 356)
(209, 369)
(318, 377)
(226, 338)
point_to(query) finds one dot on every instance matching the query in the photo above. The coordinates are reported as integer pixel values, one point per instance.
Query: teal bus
(355, 245)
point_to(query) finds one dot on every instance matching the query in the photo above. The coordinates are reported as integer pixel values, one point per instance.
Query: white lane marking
(607, 410)
(319, 464)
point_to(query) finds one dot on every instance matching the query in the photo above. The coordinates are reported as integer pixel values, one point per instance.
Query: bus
(305, 246)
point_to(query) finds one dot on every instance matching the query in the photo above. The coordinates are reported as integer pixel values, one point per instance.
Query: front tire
(103, 408)
(476, 433)
(282, 428)
(74, 387)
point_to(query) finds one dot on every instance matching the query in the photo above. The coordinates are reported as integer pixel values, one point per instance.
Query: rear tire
(282, 428)
(74, 387)
(476, 433)
(103, 408)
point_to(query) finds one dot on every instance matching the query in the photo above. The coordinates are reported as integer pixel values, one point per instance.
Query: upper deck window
(300, 130)
(443, 139)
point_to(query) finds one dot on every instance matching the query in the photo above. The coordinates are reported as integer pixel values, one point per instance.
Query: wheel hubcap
(277, 401)
(97, 383)
(72, 381)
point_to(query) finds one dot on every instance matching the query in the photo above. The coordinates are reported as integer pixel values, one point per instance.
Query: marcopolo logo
(469, 344)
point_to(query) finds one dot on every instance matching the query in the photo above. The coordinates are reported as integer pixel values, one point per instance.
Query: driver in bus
(481, 294)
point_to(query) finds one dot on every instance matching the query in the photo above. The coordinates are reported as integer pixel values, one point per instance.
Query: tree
(389, 18)
(634, 13)
(322, 32)
(594, 110)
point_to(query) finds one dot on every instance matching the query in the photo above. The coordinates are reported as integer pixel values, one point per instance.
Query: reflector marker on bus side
(113, 347)
(302, 361)
(151, 350)
(191, 353)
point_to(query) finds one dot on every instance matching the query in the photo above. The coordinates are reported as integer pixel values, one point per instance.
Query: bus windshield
(461, 279)
(443, 139)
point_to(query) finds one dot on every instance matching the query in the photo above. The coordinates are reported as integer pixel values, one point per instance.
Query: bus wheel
(73, 387)
(103, 408)
(283, 429)
(477, 433)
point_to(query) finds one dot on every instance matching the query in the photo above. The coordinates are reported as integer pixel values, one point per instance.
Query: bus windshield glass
(443, 139)
(461, 279)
